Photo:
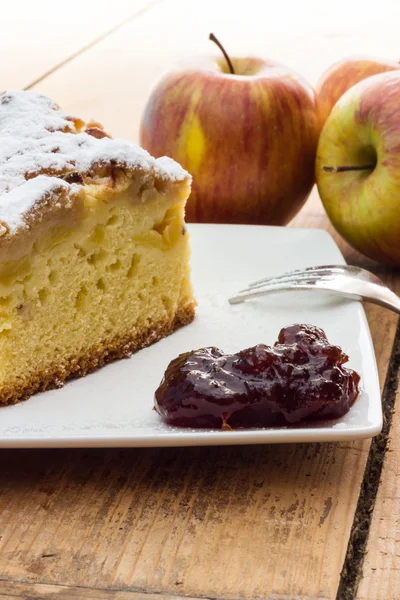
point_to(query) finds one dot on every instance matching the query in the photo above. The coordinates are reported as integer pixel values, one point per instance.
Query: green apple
(341, 76)
(358, 167)
(248, 138)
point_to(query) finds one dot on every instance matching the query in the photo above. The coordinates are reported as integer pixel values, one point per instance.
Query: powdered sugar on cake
(39, 144)
(18, 201)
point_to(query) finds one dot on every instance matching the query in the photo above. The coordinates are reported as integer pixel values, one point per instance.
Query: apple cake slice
(94, 253)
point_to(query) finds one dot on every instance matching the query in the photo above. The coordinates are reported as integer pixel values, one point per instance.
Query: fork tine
(345, 280)
(271, 288)
(329, 269)
(288, 278)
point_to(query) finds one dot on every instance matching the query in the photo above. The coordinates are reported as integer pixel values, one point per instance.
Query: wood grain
(219, 522)
(37, 36)
(380, 576)
(10, 590)
(212, 522)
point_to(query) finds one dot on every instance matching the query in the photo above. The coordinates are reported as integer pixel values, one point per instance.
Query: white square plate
(113, 406)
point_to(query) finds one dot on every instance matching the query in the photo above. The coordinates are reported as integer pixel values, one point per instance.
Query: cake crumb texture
(119, 277)
(55, 376)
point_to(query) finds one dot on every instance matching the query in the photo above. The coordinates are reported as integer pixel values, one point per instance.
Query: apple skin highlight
(341, 76)
(364, 206)
(249, 140)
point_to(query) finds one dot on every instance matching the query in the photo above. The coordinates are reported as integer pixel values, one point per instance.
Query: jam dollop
(300, 378)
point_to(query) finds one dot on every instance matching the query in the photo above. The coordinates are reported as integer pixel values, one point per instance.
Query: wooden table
(295, 521)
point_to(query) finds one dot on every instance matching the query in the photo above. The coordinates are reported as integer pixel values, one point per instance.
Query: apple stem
(220, 46)
(343, 168)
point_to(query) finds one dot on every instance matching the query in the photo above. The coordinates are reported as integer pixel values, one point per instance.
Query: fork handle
(384, 297)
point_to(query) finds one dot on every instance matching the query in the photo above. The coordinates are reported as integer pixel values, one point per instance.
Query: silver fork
(344, 280)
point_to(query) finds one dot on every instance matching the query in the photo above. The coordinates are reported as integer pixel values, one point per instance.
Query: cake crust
(47, 155)
(102, 354)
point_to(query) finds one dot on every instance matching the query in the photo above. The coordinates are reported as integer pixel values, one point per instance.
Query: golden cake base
(98, 356)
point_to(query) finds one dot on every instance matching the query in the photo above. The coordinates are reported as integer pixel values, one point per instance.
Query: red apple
(358, 167)
(249, 138)
(343, 75)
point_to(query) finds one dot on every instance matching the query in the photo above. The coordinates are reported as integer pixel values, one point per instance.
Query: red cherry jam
(300, 378)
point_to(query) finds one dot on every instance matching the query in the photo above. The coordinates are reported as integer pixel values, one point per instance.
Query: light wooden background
(252, 522)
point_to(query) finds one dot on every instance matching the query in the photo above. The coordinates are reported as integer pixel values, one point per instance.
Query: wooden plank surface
(218, 522)
(221, 522)
(37, 36)
(380, 576)
(10, 590)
